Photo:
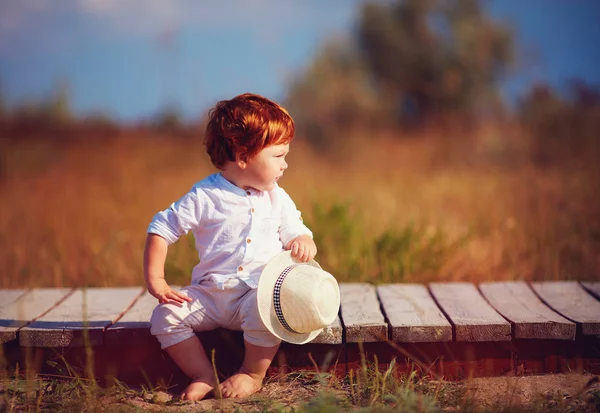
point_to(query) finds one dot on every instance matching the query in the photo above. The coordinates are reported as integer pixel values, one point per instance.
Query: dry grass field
(434, 206)
(426, 207)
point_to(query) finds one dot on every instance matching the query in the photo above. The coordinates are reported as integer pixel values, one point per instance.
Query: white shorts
(234, 308)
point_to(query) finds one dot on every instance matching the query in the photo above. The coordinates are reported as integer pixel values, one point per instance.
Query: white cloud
(152, 16)
(22, 21)
(148, 15)
(15, 14)
(135, 16)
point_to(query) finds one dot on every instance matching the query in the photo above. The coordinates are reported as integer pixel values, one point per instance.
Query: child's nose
(284, 166)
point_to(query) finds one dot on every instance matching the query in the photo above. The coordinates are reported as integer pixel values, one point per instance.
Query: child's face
(265, 169)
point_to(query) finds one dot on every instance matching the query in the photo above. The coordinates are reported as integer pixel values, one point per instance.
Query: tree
(168, 119)
(3, 108)
(333, 95)
(408, 60)
(437, 56)
(564, 128)
(58, 107)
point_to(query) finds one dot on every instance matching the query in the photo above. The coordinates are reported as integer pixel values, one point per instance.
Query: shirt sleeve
(291, 220)
(178, 219)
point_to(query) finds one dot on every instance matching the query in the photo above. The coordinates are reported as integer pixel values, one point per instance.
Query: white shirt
(236, 231)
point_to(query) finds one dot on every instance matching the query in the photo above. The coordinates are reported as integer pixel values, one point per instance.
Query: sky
(130, 58)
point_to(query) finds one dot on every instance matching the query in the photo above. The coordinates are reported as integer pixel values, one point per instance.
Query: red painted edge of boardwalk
(123, 347)
(450, 361)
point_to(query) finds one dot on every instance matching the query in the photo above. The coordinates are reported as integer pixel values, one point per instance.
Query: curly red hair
(241, 127)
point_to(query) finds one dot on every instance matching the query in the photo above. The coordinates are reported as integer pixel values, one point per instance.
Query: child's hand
(302, 248)
(165, 294)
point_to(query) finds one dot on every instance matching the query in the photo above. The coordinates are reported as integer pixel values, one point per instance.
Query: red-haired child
(240, 218)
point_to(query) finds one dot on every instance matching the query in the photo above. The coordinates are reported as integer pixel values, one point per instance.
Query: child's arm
(155, 254)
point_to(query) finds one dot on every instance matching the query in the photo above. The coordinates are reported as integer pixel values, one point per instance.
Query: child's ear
(241, 162)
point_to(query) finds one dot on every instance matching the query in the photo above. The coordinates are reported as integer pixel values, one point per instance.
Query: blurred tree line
(406, 64)
(53, 116)
(565, 127)
(411, 63)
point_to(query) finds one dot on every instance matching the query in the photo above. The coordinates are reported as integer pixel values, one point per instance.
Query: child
(240, 219)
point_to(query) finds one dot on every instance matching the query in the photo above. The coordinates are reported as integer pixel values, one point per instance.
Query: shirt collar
(224, 183)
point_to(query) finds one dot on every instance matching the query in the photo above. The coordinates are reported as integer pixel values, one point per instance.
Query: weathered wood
(531, 319)
(7, 297)
(332, 334)
(26, 308)
(361, 313)
(571, 300)
(134, 326)
(80, 319)
(472, 317)
(409, 309)
(593, 287)
(413, 314)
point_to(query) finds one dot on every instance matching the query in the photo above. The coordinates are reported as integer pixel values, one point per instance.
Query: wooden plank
(27, 307)
(472, 317)
(413, 314)
(592, 287)
(332, 334)
(7, 297)
(134, 326)
(531, 319)
(80, 319)
(361, 313)
(571, 300)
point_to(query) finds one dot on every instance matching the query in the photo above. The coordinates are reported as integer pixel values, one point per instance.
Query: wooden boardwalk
(403, 318)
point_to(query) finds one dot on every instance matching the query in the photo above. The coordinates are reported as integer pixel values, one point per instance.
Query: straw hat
(296, 300)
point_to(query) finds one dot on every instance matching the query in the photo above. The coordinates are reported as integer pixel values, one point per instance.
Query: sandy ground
(286, 393)
(573, 389)
(525, 390)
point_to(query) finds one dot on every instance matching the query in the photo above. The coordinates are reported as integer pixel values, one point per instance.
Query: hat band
(276, 298)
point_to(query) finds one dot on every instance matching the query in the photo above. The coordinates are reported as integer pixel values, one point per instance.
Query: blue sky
(128, 58)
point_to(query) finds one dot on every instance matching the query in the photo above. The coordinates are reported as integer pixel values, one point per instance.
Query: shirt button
(253, 210)
(240, 268)
(248, 241)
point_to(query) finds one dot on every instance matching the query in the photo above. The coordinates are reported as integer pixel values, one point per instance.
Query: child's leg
(190, 357)
(260, 345)
(249, 377)
(174, 326)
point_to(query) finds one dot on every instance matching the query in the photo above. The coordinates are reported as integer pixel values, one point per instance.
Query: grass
(386, 210)
(366, 389)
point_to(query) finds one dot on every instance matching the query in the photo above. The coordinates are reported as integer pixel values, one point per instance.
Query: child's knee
(169, 323)
(255, 331)
(165, 316)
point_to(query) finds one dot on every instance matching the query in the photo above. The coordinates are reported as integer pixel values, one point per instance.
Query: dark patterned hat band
(277, 296)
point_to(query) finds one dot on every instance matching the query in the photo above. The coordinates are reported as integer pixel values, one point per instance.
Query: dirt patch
(285, 393)
(579, 391)
(528, 390)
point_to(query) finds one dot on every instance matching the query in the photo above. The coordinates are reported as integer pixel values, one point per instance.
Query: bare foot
(241, 384)
(196, 390)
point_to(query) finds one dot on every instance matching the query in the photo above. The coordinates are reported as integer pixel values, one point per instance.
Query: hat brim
(264, 295)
